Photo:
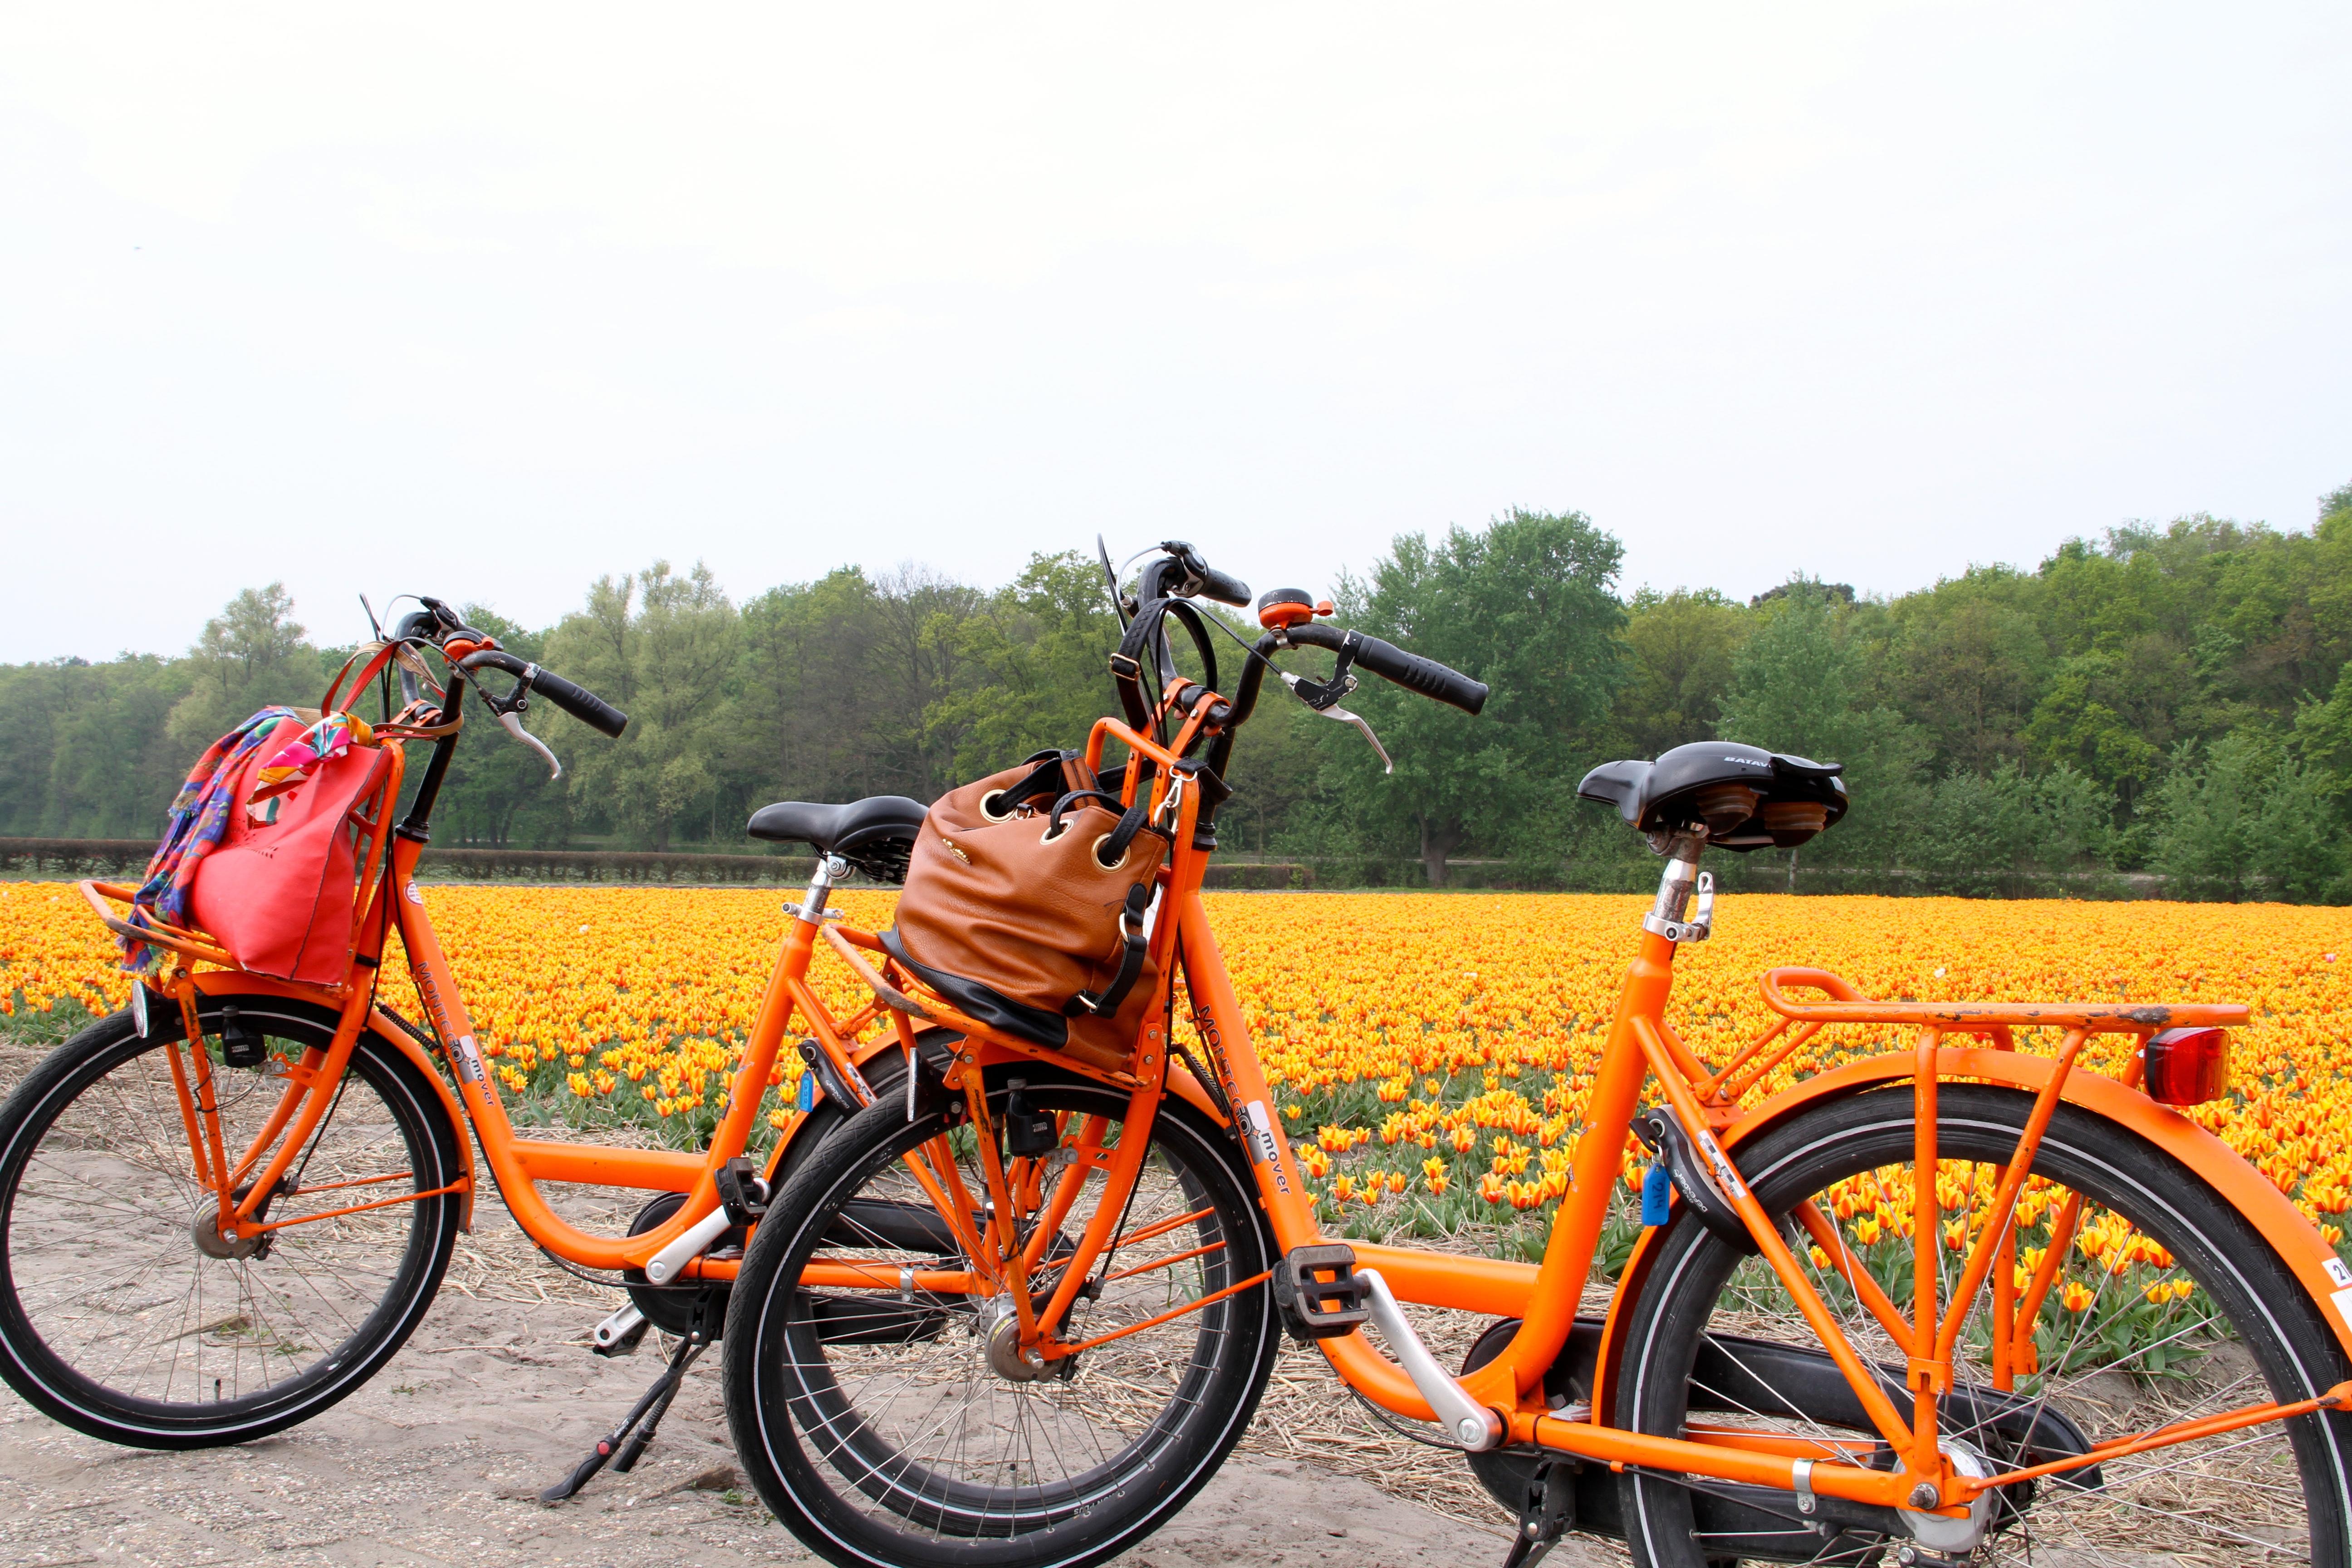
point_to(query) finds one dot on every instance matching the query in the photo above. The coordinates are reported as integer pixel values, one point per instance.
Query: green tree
(915, 664)
(1978, 835)
(1799, 687)
(659, 645)
(2245, 819)
(1682, 644)
(2322, 733)
(1524, 605)
(1965, 660)
(250, 656)
(1037, 651)
(803, 727)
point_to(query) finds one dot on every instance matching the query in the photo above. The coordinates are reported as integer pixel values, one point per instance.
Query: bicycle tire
(2284, 1492)
(839, 1468)
(96, 1244)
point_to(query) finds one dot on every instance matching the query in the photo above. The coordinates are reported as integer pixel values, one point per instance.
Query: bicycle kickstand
(1549, 1510)
(621, 1447)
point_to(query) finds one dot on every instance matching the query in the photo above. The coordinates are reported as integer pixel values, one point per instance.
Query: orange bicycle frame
(1641, 1045)
(516, 1163)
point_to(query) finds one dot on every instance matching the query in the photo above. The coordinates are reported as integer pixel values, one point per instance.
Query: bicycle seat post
(1682, 848)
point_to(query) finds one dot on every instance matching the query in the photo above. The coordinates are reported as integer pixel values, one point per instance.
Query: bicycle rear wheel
(118, 1320)
(891, 1425)
(2169, 1306)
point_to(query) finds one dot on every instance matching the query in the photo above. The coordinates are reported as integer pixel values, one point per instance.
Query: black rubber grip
(579, 702)
(598, 714)
(1415, 673)
(1224, 588)
(1410, 670)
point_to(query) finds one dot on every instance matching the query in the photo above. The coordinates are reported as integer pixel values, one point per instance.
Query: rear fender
(2293, 1236)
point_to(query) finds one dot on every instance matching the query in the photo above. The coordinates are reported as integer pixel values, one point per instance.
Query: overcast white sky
(486, 300)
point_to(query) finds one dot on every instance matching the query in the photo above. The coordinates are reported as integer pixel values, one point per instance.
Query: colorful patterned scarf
(330, 738)
(199, 818)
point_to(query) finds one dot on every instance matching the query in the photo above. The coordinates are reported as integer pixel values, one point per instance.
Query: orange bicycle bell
(1279, 609)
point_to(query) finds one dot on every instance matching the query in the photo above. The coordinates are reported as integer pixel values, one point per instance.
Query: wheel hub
(998, 1327)
(213, 1242)
(1956, 1537)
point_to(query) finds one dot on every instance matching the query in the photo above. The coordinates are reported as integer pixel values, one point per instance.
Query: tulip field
(1432, 1054)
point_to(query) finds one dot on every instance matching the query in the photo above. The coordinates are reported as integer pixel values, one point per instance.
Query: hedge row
(128, 857)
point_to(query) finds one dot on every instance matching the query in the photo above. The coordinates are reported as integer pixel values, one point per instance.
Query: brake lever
(509, 716)
(555, 769)
(1325, 701)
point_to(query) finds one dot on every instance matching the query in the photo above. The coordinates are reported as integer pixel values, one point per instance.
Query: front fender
(385, 1029)
(2293, 1236)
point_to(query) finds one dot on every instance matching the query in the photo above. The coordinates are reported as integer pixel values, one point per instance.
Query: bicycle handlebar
(577, 700)
(1424, 676)
(1184, 572)
(1223, 587)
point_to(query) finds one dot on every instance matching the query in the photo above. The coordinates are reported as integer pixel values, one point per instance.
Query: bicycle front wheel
(895, 1425)
(2167, 1306)
(122, 1318)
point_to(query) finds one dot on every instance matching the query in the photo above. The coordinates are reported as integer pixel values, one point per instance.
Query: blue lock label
(1657, 1192)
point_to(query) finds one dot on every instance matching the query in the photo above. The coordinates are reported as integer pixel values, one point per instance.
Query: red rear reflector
(2188, 1066)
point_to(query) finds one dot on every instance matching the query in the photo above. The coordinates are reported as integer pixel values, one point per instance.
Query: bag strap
(1146, 636)
(1047, 777)
(1137, 946)
(379, 654)
(1133, 819)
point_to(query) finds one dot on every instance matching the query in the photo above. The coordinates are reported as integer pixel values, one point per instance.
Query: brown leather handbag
(1024, 906)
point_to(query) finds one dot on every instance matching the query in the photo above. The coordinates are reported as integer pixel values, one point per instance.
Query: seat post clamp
(1697, 925)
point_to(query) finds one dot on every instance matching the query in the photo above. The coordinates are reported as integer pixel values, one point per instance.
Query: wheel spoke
(947, 1435)
(2157, 1282)
(122, 1306)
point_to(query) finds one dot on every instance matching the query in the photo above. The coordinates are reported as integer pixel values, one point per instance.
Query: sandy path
(439, 1459)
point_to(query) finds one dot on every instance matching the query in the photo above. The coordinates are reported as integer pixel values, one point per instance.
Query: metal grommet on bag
(1052, 894)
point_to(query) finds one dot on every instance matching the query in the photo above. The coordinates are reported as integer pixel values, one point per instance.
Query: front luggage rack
(894, 988)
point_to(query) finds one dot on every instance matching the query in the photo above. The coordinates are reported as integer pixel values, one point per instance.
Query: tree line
(2167, 700)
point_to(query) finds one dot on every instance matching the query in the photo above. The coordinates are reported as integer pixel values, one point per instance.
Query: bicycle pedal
(1316, 1288)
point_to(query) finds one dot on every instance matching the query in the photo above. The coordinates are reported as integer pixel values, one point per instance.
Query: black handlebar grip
(580, 702)
(1415, 673)
(1223, 587)
(1410, 670)
(594, 710)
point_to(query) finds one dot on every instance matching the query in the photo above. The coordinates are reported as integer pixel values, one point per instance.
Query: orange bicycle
(1018, 1316)
(224, 1207)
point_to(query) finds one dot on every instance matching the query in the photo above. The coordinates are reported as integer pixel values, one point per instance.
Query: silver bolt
(1472, 1431)
(1925, 1495)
